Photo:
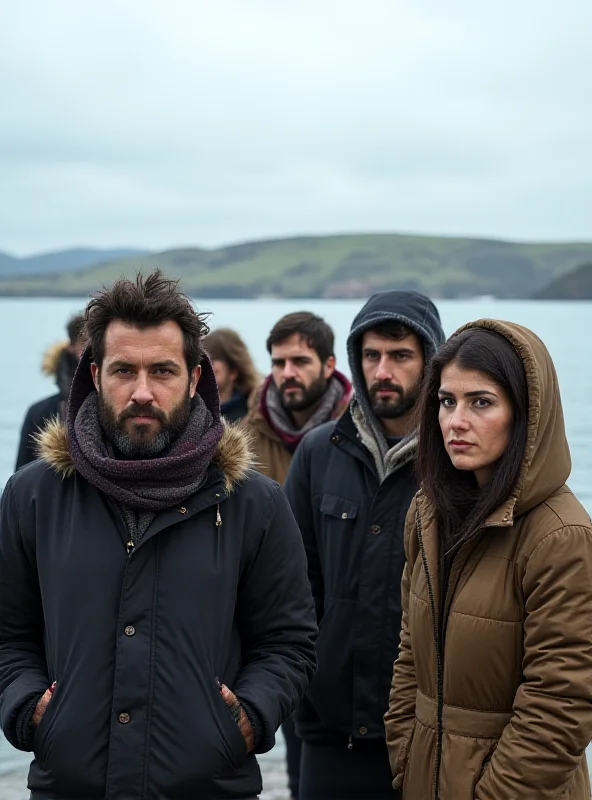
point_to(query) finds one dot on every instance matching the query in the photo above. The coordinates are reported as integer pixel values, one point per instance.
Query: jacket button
(182, 510)
(124, 718)
(363, 730)
(129, 630)
(344, 515)
(335, 438)
(375, 529)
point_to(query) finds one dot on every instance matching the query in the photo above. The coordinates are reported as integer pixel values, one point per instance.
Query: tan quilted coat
(505, 712)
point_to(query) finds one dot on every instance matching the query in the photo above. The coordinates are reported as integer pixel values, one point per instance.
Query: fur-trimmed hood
(52, 356)
(234, 455)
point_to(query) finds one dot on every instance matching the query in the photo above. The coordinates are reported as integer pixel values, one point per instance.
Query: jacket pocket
(338, 507)
(232, 738)
(40, 737)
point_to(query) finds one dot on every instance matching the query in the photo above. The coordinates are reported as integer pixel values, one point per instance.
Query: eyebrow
(166, 363)
(303, 357)
(477, 393)
(397, 350)
(128, 365)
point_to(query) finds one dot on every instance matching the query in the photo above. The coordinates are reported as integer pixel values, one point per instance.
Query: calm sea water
(27, 327)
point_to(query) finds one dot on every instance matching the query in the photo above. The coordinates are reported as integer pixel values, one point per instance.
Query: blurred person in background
(59, 361)
(492, 690)
(303, 391)
(235, 372)
(350, 485)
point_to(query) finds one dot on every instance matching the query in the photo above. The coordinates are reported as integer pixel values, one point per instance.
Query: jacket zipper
(439, 661)
(130, 547)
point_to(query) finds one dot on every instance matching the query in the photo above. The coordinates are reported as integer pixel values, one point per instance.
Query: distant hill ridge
(352, 265)
(575, 285)
(62, 260)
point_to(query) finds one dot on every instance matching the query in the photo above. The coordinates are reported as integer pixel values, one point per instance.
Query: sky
(168, 123)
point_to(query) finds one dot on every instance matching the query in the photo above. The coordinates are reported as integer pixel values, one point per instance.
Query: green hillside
(335, 266)
(575, 285)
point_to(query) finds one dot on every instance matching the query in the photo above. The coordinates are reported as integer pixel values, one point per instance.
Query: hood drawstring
(218, 517)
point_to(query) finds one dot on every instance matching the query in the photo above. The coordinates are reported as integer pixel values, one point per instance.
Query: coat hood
(233, 454)
(412, 309)
(60, 363)
(418, 313)
(51, 357)
(547, 463)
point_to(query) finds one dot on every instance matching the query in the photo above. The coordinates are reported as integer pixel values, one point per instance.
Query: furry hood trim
(234, 455)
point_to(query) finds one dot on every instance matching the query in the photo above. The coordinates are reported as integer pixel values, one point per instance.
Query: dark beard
(391, 409)
(309, 395)
(140, 443)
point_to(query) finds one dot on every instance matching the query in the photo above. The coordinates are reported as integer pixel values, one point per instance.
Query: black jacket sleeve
(23, 671)
(277, 622)
(26, 453)
(299, 493)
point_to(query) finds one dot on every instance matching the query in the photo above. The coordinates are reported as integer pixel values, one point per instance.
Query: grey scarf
(386, 460)
(334, 399)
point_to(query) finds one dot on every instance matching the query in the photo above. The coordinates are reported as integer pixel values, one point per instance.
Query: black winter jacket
(352, 523)
(35, 420)
(236, 408)
(352, 526)
(136, 641)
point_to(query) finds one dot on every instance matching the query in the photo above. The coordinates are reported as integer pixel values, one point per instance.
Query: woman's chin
(463, 462)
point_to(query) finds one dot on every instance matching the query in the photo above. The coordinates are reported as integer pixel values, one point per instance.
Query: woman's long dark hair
(461, 506)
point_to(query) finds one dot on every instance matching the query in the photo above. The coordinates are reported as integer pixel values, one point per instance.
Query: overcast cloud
(158, 123)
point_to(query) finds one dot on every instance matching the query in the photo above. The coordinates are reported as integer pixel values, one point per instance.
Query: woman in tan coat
(492, 690)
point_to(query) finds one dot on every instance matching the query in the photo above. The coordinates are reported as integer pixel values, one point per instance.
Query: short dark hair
(75, 328)
(461, 507)
(312, 329)
(393, 330)
(144, 303)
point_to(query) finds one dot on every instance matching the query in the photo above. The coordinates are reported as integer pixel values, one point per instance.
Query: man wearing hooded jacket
(156, 621)
(350, 485)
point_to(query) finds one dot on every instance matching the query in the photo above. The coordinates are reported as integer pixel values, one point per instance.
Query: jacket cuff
(256, 722)
(25, 731)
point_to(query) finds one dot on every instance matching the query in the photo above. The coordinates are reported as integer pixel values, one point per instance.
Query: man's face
(393, 370)
(145, 389)
(298, 373)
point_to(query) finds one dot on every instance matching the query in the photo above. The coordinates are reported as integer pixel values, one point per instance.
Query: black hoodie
(350, 494)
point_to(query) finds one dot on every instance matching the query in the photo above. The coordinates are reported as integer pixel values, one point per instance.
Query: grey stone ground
(13, 786)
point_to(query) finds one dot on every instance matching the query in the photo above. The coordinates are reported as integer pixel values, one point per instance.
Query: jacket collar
(233, 456)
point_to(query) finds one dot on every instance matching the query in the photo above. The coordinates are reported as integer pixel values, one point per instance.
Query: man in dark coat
(350, 485)
(156, 621)
(60, 362)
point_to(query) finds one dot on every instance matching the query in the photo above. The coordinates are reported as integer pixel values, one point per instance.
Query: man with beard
(350, 486)
(156, 622)
(303, 391)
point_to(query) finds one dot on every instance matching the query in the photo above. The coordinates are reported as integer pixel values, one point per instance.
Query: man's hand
(41, 706)
(244, 725)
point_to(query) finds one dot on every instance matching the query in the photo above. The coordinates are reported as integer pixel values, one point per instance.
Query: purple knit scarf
(150, 484)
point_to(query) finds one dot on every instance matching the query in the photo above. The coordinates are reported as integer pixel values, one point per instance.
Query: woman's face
(475, 419)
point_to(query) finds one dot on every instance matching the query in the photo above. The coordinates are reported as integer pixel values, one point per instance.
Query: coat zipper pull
(129, 547)
(350, 743)
(218, 517)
